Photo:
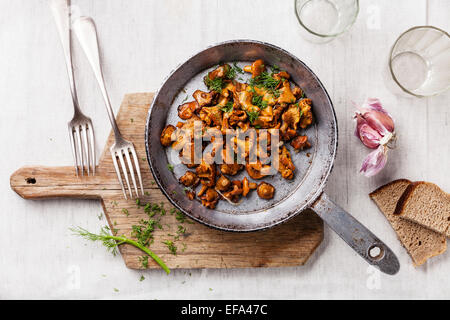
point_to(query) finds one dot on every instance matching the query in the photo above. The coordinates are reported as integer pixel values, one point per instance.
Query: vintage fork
(84, 28)
(80, 127)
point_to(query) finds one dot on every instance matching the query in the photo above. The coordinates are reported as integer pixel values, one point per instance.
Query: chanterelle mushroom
(256, 68)
(300, 143)
(286, 95)
(166, 135)
(247, 186)
(186, 110)
(307, 117)
(265, 190)
(206, 173)
(286, 167)
(204, 98)
(189, 179)
(223, 183)
(220, 72)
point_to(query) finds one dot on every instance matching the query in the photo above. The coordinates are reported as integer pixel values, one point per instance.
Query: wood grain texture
(290, 244)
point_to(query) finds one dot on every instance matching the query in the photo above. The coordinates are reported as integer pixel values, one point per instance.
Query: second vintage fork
(86, 33)
(81, 131)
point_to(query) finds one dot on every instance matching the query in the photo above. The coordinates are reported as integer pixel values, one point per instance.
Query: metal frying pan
(291, 197)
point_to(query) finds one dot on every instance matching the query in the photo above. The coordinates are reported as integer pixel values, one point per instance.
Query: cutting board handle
(59, 182)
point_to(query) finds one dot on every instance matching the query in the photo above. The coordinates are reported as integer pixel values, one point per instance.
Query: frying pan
(291, 197)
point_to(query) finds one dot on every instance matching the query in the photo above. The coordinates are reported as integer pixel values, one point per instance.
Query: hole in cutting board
(30, 180)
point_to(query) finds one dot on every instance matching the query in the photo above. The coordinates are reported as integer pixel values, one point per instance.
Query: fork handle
(61, 13)
(84, 28)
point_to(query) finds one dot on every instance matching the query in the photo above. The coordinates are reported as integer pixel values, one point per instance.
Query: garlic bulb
(375, 129)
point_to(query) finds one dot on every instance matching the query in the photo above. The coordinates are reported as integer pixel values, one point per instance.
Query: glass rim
(332, 35)
(391, 58)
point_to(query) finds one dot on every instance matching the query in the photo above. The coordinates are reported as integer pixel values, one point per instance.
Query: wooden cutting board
(289, 244)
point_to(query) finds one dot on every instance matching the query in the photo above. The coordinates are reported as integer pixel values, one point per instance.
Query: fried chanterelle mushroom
(265, 190)
(266, 100)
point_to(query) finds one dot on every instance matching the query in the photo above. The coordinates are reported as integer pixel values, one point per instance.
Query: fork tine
(130, 166)
(78, 134)
(86, 147)
(119, 177)
(92, 141)
(72, 144)
(125, 173)
(136, 164)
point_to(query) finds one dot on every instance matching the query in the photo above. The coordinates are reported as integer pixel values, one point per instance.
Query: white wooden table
(141, 42)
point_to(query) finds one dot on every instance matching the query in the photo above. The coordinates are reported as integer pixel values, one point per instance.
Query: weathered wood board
(289, 244)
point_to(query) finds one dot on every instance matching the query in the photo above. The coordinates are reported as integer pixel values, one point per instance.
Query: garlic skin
(374, 162)
(375, 128)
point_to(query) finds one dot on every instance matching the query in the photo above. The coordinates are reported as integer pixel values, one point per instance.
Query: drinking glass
(323, 20)
(419, 61)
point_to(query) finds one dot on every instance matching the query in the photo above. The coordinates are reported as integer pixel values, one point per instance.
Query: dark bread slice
(426, 204)
(420, 243)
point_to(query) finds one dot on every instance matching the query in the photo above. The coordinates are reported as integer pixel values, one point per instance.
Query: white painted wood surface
(141, 42)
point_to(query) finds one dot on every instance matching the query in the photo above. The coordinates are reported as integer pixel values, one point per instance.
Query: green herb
(132, 120)
(228, 107)
(143, 159)
(142, 278)
(181, 217)
(236, 67)
(138, 202)
(153, 182)
(146, 193)
(172, 211)
(143, 232)
(100, 216)
(275, 68)
(185, 98)
(116, 290)
(217, 84)
(170, 167)
(267, 81)
(144, 261)
(257, 100)
(181, 230)
(252, 115)
(111, 243)
(171, 246)
(232, 71)
(210, 289)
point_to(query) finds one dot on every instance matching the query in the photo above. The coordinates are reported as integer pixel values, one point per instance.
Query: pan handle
(364, 242)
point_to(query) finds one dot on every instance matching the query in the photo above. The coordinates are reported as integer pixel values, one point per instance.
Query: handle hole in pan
(376, 252)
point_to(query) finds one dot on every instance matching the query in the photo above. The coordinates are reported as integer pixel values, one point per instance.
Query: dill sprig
(216, 85)
(257, 100)
(267, 81)
(112, 242)
(227, 107)
(233, 71)
(252, 115)
(171, 246)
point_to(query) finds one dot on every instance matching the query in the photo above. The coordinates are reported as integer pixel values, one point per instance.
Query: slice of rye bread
(426, 204)
(420, 243)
